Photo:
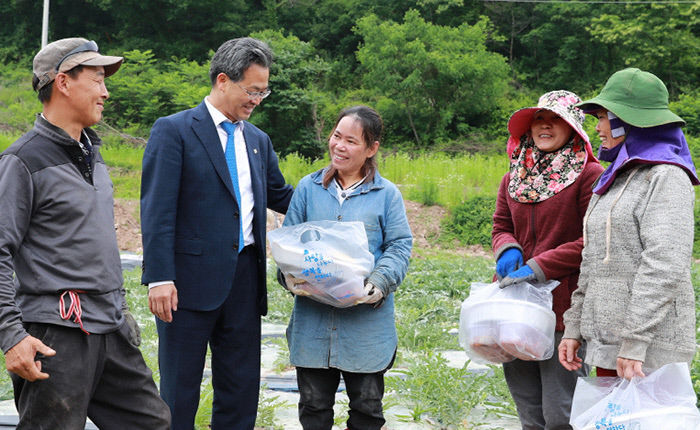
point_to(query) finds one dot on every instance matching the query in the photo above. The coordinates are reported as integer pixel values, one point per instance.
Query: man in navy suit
(204, 248)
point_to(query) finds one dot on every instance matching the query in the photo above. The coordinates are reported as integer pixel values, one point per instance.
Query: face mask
(605, 154)
(617, 126)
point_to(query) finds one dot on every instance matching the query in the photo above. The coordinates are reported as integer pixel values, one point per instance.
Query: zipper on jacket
(533, 233)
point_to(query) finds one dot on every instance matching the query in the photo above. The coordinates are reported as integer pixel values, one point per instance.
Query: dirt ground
(424, 221)
(126, 221)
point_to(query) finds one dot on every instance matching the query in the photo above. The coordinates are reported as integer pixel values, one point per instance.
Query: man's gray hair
(235, 56)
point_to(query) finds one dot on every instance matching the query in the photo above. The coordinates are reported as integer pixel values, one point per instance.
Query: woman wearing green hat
(635, 305)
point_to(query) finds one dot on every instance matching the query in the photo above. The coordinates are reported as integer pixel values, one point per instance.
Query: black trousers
(101, 376)
(317, 388)
(232, 331)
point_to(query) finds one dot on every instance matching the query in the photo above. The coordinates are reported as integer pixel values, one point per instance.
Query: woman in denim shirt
(358, 342)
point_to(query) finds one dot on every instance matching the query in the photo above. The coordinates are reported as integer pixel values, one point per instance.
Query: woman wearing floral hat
(635, 305)
(537, 236)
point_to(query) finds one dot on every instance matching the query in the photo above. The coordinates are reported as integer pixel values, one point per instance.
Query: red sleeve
(502, 235)
(565, 259)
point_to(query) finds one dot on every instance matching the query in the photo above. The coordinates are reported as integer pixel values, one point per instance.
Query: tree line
(444, 74)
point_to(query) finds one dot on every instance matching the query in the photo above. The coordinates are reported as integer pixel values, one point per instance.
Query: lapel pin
(255, 151)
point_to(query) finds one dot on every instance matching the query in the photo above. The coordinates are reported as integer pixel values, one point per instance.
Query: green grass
(295, 167)
(427, 312)
(121, 156)
(18, 102)
(436, 178)
(124, 163)
(6, 140)
(429, 179)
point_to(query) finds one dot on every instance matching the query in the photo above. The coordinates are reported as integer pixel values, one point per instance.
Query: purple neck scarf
(663, 144)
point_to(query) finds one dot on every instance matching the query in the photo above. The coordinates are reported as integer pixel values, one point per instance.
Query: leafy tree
(292, 115)
(578, 45)
(555, 50)
(328, 24)
(146, 89)
(432, 79)
(181, 28)
(19, 36)
(688, 107)
(511, 20)
(436, 76)
(660, 38)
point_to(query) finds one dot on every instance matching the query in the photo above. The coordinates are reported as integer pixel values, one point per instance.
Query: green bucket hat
(637, 97)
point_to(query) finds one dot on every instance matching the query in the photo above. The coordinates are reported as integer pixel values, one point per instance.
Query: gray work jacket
(56, 234)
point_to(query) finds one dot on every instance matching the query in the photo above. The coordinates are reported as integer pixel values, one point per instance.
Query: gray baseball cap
(65, 54)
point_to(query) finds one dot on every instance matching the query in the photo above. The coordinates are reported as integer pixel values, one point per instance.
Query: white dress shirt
(243, 166)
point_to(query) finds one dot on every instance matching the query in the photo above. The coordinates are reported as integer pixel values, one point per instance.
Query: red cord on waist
(74, 309)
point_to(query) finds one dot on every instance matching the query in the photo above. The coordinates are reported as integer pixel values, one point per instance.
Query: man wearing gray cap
(69, 342)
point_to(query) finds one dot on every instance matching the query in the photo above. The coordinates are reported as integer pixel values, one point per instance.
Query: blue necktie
(230, 155)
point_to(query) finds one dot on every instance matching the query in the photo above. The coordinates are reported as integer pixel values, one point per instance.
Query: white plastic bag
(664, 399)
(329, 259)
(499, 325)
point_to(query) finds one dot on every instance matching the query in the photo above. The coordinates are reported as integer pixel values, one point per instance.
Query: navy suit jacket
(189, 214)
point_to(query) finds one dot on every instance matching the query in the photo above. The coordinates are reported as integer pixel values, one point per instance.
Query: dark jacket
(56, 234)
(548, 233)
(189, 213)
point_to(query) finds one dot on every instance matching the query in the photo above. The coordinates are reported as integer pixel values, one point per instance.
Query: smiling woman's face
(349, 151)
(549, 131)
(604, 131)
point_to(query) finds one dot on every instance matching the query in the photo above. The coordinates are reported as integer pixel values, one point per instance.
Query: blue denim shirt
(362, 338)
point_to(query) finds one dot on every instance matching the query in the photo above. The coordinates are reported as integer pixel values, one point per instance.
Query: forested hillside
(445, 74)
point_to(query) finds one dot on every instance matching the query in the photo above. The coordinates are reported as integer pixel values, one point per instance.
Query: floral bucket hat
(561, 102)
(538, 175)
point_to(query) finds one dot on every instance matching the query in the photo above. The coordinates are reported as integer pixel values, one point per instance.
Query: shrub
(471, 221)
(434, 391)
(6, 140)
(146, 89)
(18, 102)
(425, 193)
(688, 107)
(694, 146)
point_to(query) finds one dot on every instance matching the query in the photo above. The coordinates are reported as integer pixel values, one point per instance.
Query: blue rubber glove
(510, 260)
(524, 274)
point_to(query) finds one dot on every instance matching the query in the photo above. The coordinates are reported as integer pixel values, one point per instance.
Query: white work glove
(373, 294)
(294, 284)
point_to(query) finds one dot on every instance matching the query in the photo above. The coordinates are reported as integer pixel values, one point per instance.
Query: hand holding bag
(664, 399)
(327, 261)
(499, 325)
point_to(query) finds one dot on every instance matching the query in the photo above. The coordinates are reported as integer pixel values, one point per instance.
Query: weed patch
(446, 396)
(471, 222)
